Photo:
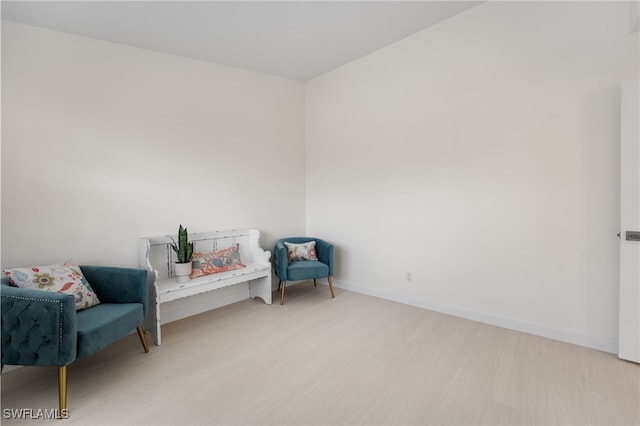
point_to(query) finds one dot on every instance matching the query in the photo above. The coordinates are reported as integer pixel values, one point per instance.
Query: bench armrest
(38, 327)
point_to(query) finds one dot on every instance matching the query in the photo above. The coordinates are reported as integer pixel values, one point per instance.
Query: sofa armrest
(324, 250)
(38, 327)
(118, 285)
(280, 260)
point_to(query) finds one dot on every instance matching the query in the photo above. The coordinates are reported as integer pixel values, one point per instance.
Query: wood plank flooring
(352, 360)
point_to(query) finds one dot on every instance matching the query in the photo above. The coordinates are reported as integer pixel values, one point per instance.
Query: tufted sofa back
(32, 327)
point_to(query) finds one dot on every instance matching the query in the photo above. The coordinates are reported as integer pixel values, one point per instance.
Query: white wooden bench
(157, 257)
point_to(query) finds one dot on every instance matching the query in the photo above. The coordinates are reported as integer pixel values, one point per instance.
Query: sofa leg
(143, 339)
(62, 391)
(315, 284)
(333, 296)
(279, 284)
(282, 292)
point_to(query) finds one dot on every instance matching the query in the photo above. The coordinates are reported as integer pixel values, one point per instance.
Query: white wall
(104, 143)
(481, 156)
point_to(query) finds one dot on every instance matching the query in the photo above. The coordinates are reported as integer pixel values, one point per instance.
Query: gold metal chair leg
(62, 391)
(143, 339)
(333, 296)
(284, 283)
(315, 284)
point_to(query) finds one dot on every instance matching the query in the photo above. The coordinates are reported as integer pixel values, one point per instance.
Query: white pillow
(304, 251)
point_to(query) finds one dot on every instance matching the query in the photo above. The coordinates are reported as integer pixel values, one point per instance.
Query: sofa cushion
(306, 270)
(64, 277)
(303, 251)
(102, 325)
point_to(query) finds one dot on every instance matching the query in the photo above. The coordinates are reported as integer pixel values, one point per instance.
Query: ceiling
(299, 40)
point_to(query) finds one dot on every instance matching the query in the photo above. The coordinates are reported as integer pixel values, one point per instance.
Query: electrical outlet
(408, 276)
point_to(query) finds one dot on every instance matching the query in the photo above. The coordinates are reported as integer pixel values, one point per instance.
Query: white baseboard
(600, 343)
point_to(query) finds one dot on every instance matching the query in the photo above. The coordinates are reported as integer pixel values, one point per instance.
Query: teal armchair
(303, 269)
(44, 329)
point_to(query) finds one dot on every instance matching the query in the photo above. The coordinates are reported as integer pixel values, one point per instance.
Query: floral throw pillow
(304, 251)
(64, 277)
(211, 262)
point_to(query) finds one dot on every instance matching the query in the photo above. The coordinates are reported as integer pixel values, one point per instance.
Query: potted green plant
(184, 252)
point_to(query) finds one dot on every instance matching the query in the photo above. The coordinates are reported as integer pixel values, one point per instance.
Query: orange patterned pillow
(211, 262)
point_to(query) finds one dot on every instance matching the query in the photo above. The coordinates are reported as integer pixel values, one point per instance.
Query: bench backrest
(157, 255)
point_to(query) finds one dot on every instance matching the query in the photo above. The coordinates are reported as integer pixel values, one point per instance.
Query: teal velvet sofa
(302, 269)
(41, 328)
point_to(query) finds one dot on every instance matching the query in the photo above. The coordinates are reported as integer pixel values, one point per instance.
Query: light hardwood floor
(352, 360)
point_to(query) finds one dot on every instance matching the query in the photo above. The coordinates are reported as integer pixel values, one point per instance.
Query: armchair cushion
(64, 277)
(307, 269)
(102, 325)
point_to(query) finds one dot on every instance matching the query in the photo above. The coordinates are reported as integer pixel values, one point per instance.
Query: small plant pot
(183, 270)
